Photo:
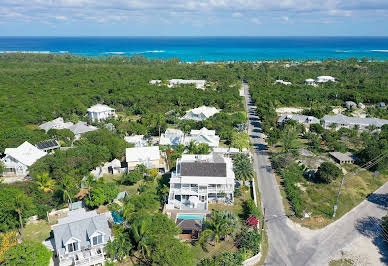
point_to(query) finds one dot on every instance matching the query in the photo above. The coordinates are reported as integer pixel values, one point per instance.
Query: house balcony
(186, 205)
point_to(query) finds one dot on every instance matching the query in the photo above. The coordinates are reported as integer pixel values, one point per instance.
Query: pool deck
(172, 214)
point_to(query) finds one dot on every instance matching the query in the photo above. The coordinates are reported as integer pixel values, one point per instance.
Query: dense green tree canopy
(27, 253)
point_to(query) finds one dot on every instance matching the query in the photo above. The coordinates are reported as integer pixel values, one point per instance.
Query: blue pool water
(191, 216)
(206, 48)
(117, 218)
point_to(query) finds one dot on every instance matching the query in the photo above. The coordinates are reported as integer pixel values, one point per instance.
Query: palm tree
(45, 182)
(65, 189)
(216, 228)
(164, 190)
(191, 147)
(139, 229)
(22, 202)
(89, 183)
(243, 168)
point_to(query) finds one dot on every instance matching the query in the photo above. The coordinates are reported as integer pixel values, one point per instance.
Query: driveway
(289, 243)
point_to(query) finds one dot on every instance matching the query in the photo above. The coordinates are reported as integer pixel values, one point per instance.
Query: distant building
(341, 158)
(81, 128)
(80, 239)
(361, 105)
(137, 140)
(18, 160)
(57, 123)
(48, 145)
(310, 82)
(203, 135)
(350, 105)
(323, 79)
(100, 112)
(350, 122)
(303, 119)
(199, 84)
(172, 137)
(200, 113)
(280, 81)
(200, 179)
(151, 157)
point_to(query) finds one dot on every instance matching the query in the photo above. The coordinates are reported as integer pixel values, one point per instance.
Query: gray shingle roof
(203, 169)
(81, 229)
(346, 120)
(299, 118)
(81, 127)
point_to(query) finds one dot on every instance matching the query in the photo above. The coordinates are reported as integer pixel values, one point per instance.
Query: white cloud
(335, 12)
(62, 18)
(176, 11)
(256, 21)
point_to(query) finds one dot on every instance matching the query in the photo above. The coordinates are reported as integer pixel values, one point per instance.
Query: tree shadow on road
(370, 227)
(379, 199)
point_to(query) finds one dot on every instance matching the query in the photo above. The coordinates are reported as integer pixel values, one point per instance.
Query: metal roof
(203, 169)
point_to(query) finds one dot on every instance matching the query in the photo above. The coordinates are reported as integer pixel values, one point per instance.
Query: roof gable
(26, 153)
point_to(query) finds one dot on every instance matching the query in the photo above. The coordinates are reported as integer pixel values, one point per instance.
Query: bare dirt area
(288, 110)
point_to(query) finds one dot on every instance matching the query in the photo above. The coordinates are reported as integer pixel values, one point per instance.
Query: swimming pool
(191, 216)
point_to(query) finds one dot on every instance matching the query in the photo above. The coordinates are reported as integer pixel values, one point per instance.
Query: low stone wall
(253, 260)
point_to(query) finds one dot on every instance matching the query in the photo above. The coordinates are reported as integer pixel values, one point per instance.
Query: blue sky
(193, 17)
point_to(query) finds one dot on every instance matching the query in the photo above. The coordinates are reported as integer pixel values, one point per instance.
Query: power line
(367, 166)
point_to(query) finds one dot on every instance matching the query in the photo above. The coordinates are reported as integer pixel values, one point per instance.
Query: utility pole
(339, 192)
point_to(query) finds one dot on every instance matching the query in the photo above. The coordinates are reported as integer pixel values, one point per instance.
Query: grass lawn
(209, 250)
(38, 232)
(236, 208)
(319, 199)
(115, 178)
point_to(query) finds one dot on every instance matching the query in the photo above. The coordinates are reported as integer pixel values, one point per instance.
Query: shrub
(249, 240)
(250, 209)
(27, 253)
(237, 192)
(327, 172)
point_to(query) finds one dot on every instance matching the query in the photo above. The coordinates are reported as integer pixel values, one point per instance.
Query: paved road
(289, 245)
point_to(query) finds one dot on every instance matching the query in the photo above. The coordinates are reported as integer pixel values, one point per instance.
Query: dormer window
(96, 240)
(72, 247)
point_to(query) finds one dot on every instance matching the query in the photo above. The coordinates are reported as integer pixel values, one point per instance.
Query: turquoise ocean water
(206, 48)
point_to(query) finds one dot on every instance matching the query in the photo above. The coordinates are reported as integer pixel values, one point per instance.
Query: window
(72, 247)
(97, 240)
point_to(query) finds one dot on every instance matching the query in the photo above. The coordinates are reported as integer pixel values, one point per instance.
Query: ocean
(191, 49)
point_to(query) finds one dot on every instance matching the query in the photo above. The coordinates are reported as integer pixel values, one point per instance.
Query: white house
(200, 179)
(151, 157)
(280, 81)
(310, 82)
(57, 123)
(172, 137)
(199, 84)
(17, 160)
(200, 113)
(322, 79)
(203, 135)
(137, 140)
(100, 112)
(80, 238)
